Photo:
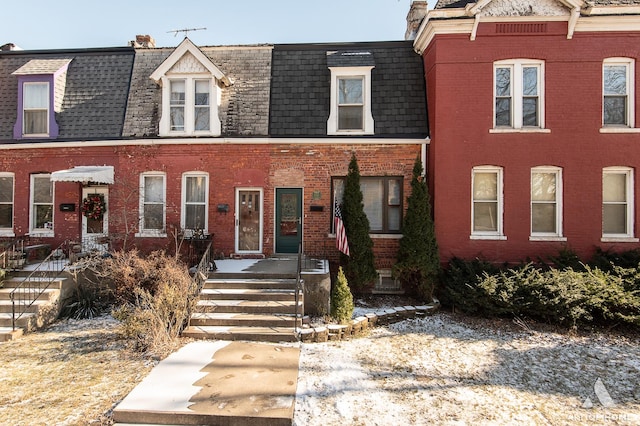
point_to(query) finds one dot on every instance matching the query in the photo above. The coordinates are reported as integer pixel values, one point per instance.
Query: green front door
(288, 219)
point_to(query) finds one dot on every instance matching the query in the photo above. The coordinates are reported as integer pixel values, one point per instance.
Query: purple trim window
(36, 115)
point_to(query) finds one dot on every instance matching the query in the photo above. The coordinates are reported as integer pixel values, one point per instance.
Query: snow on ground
(439, 370)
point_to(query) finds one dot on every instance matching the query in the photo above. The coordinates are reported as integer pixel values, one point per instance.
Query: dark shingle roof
(244, 109)
(94, 103)
(300, 91)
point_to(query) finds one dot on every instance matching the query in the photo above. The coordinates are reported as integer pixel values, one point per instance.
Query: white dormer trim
(345, 72)
(184, 47)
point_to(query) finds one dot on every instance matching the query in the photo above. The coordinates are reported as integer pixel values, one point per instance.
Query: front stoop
(247, 309)
(41, 312)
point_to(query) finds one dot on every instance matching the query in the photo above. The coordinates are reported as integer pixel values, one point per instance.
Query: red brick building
(534, 126)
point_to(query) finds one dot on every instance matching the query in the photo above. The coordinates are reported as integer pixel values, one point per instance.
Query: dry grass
(73, 373)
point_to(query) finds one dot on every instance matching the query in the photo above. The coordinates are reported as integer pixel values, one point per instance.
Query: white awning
(85, 174)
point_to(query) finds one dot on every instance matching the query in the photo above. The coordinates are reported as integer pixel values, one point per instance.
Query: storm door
(288, 228)
(249, 220)
(95, 218)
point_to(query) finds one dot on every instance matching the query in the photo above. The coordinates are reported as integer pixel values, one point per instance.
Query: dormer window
(350, 111)
(191, 93)
(41, 85)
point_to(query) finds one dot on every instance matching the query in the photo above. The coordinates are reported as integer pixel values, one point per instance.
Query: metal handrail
(25, 294)
(201, 274)
(299, 288)
(8, 250)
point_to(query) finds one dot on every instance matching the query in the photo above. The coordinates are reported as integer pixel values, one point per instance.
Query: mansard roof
(95, 99)
(301, 79)
(244, 108)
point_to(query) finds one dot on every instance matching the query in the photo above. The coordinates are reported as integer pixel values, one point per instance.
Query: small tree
(418, 260)
(341, 299)
(359, 266)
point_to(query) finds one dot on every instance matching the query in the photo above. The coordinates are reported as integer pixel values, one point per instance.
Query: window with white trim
(350, 109)
(617, 202)
(487, 202)
(188, 107)
(546, 202)
(35, 109)
(195, 201)
(6, 203)
(382, 200)
(152, 203)
(41, 204)
(518, 94)
(617, 92)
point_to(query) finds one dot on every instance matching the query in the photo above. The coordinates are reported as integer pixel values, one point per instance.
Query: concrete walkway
(217, 383)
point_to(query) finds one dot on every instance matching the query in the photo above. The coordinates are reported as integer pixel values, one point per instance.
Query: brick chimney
(144, 41)
(416, 14)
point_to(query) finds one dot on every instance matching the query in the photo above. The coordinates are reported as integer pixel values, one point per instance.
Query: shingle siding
(300, 95)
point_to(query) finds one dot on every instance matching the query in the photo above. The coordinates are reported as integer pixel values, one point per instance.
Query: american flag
(341, 236)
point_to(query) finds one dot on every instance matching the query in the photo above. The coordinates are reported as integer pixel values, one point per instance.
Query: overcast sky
(50, 24)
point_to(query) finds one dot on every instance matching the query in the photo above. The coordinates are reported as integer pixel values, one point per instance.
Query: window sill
(7, 233)
(549, 238)
(42, 234)
(620, 130)
(619, 240)
(149, 234)
(378, 236)
(488, 237)
(522, 130)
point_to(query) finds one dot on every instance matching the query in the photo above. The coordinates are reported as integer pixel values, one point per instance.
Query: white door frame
(237, 220)
(104, 191)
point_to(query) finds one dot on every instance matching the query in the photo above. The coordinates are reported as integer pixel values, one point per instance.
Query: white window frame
(516, 67)
(215, 126)
(338, 73)
(25, 109)
(183, 203)
(630, 205)
(629, 124)
(498, 234)
(9, 232)
(47, 231)
(546, 236)
(152, 232)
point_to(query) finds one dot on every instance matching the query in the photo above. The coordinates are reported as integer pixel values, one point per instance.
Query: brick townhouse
(534, 125)
(247, 145)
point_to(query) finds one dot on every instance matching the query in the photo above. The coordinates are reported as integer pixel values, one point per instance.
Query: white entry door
(95, 218)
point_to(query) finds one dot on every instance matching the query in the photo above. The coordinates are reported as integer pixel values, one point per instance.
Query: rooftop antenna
(185, 31)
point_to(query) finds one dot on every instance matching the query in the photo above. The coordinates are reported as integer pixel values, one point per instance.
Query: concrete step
(26, 320)
(240, 283)
(243, 320)
(48, 294)
(14, 282)
(6, 306)
(261, 334)
(247, 294)
(8, 333)
(247, 306)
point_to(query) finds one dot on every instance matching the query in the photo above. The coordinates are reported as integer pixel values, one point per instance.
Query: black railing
(299, 312)
(12, 254)
(200, 276)
(25, 294)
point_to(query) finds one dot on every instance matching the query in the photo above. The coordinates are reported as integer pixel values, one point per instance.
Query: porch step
(48, 294)
(263, 334)
(16, 280)
(247, 309)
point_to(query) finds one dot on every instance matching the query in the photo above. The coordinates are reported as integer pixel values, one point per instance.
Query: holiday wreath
(93, 207)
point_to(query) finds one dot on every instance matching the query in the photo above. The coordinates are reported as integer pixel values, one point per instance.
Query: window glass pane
(6, 215)
(530, 111)
(195, 216)
(6, 189)
(543, 186)
(615, 110)
(42, 190)
(614, 187)
(350, 118)
(372, 197)
(394, 218)
(202, 93)
(350, 90)
(543, 217)
(503, 112)
(195, 189)
(153, 216)
(201, 120)
(44, 215)
(614, 218)
(530, 81)
(615, 80)
(485, 186)
(35, 122)
(485, 216)
(394, 192)
(154, 189)
(503, 81)
(177, 92)
(36, 96)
